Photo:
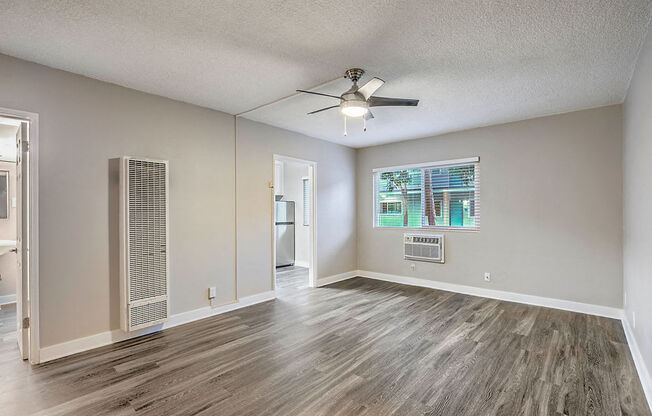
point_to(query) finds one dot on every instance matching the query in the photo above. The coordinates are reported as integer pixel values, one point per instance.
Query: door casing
(31, 234)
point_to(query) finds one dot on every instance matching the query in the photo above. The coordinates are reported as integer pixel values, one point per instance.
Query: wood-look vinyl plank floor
(291, 277)
(358, 347)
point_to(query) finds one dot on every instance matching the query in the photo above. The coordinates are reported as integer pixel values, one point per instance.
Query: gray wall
(335, 186)
(83, 124)
(86, 124)
(638, 201)
(551, 208)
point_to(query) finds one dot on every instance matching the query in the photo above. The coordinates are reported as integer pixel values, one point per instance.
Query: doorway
(293, 224)
(18, 231)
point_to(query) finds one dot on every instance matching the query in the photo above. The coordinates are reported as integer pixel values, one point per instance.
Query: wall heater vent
(144, 258)
(422, 247)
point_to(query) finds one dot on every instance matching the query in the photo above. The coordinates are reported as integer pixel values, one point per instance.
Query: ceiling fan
(357, 100)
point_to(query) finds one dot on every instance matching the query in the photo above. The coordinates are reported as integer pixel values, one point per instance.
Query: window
(391, 207)
(438, 208)
(438, 194)
(305, 187)
(4, 194)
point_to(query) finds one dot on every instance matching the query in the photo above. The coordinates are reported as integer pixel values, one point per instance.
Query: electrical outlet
(413, 266)
(212, 292)
(487, 277)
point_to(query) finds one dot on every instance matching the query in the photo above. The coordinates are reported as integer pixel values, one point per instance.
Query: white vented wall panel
(144, 240)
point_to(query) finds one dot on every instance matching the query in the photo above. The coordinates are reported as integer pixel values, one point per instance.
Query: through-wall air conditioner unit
(422, 247)
(144, 256)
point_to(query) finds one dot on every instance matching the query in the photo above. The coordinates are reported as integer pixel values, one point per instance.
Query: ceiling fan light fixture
(356, 101)
(354, 108)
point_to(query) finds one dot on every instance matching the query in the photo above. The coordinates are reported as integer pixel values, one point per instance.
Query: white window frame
(438, 164)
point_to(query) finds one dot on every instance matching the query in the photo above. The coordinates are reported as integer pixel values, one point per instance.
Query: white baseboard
(305, 264)
(75, 346)
(639, 362)
(7, 299)
(337, 278)
(254, 299)
(566, 305)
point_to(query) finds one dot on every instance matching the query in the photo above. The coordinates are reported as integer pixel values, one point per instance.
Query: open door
(22, 244)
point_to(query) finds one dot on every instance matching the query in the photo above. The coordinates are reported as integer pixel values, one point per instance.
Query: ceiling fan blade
(368, 116)
(319, 93)
(323, 109)
(370, 87)
(386, 101)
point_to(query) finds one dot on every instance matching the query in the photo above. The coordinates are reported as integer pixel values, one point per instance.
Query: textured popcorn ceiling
(471, 63)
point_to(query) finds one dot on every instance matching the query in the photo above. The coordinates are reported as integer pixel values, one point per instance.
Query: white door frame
(33, 237)
(312, 169)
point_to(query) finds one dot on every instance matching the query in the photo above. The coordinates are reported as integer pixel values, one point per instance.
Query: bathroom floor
(8, 328)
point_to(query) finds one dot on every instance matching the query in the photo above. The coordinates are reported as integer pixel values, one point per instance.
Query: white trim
(305, 264)
(312, 267)
(566, 305)
(429, 164)
(6, 299)
(337, 278)
(436, 228)
(34, 314)
(75, 346)
(254, 299)
(639, 362)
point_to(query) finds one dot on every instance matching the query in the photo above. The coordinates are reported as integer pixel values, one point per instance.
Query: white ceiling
(470, 62)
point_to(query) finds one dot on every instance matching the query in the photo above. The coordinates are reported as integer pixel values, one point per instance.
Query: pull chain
(345, 125)
(364, 123)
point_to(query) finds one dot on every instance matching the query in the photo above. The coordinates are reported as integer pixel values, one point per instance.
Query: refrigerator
(284, 221)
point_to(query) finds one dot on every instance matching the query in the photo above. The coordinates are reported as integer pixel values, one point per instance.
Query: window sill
(472, 230)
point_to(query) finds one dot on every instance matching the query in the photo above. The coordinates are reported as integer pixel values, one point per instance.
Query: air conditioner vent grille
(424, 247)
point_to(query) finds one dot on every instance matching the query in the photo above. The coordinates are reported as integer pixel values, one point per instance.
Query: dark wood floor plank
(357, 347)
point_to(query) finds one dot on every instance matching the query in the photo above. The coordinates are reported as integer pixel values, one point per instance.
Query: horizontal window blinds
(306, 201)
(442, 194)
